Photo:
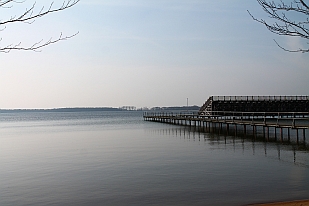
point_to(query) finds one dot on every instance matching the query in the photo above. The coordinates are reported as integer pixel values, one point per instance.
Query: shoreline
(288, 203)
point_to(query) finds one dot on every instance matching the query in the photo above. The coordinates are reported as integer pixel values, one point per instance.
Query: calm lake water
(116, 158)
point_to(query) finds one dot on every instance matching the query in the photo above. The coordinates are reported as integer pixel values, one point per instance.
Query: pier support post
(235, 129)
(297, 136)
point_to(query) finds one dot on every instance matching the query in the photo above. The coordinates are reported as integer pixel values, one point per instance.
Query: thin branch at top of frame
(29, 14)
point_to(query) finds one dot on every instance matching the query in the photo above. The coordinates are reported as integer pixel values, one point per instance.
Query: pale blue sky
(148, 53)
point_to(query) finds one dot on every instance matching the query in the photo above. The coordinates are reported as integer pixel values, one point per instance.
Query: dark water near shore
(116, 158)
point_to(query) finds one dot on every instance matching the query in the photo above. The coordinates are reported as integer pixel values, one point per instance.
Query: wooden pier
(208, 119)
(222, 119)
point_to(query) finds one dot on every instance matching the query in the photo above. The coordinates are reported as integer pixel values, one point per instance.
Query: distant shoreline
(61, 110)
(98, 109)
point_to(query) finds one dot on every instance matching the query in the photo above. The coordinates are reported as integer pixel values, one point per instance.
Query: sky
(147, 53)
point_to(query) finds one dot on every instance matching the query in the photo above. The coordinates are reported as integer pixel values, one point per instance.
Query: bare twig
(304, 4)
(284, 25)
(29, 16)
(36, 46)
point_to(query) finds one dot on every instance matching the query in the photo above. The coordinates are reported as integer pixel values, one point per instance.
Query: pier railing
(258, 98)
(230, 113)
(298, 120)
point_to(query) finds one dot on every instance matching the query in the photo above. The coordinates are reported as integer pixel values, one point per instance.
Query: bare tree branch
(304, 4)
(283, 25)
(3, 3)
(29, 16)
(36, 46)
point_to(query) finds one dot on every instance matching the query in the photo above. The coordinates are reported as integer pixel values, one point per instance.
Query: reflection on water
(288, 151)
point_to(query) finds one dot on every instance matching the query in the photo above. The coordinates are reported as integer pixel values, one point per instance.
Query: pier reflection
(290, 151)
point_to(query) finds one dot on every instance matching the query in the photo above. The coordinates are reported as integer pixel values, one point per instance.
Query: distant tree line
(82, 109)
(175, 108)
(98, 109)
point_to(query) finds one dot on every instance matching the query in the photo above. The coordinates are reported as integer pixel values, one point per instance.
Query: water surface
(116, 158)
